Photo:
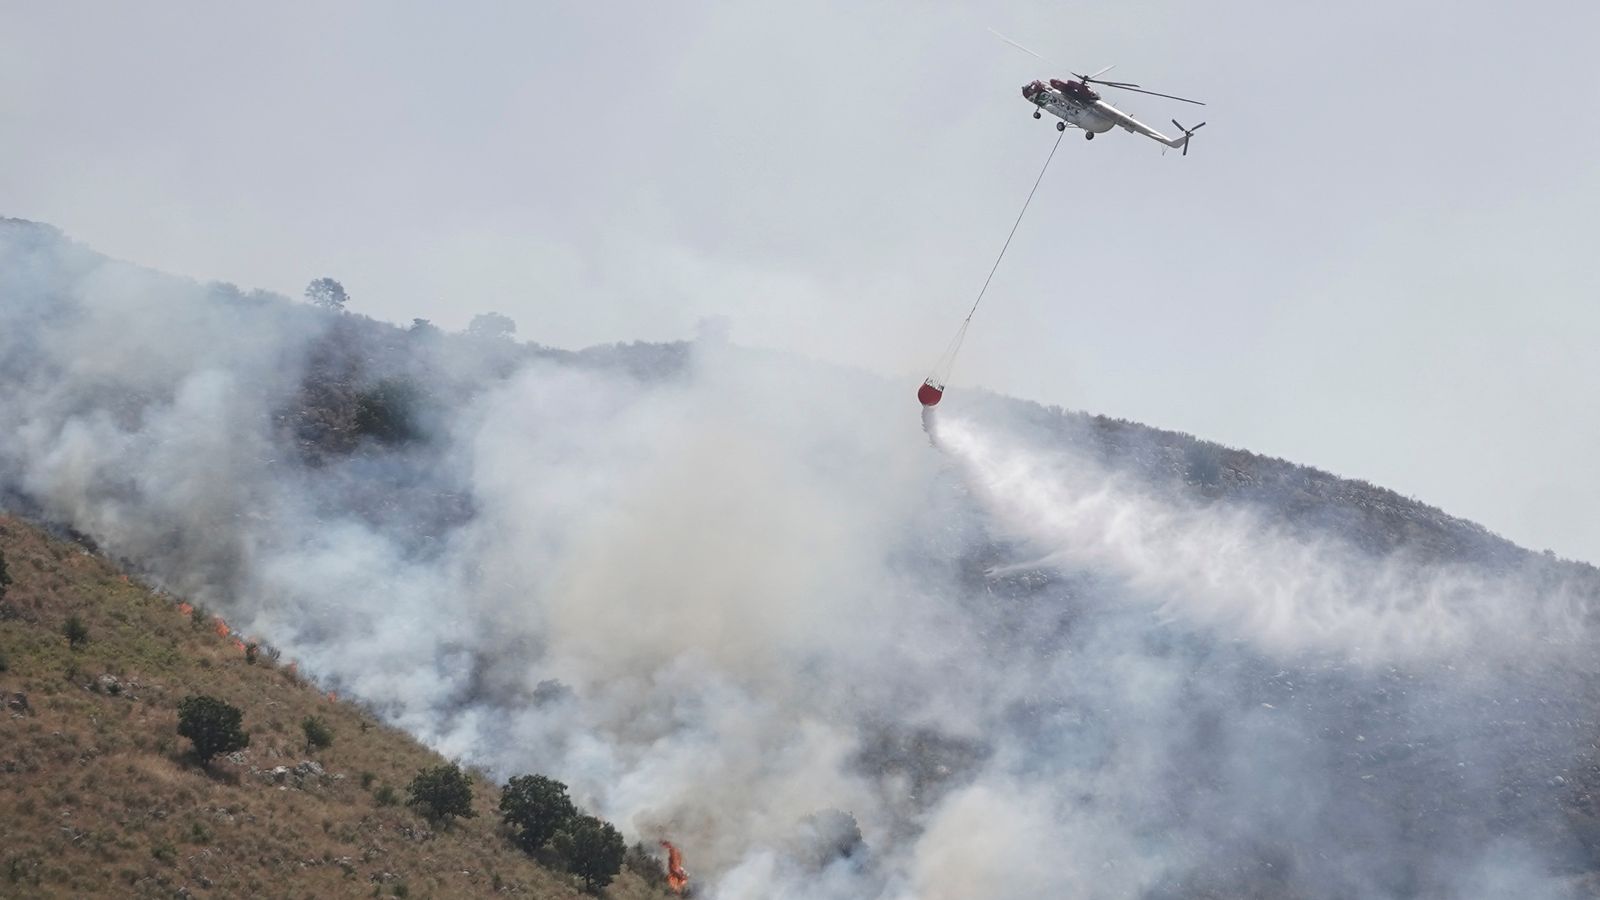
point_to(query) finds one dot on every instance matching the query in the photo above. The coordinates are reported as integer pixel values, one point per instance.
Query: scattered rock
(17, 702)
(297, 777)
(418, 834)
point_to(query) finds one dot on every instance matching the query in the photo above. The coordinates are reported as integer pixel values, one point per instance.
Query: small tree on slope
(318, 735)
(441, 793)
(327, 294)
(593, 850)
(213, 726)
(535, 807)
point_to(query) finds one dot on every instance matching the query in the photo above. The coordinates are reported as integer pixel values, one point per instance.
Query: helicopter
(1080, 106)
(1077, 104)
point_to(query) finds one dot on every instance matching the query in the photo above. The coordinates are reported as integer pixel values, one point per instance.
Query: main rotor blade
(1015, 44)
(1103, 71)
(1155, 94)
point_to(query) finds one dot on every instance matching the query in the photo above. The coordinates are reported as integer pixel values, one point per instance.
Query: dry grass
(98, 797)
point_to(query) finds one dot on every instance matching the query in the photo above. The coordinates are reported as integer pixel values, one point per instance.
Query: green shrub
(76, 632)
(385, 796)
(643, 863)
(388, 412)
(318, 735)
(535, 808)
(441, 793)
(593, 850)
(213, 726)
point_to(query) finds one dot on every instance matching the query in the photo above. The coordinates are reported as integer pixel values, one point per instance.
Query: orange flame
(333, 697)
(185, 609)
(238, 645)
(677, 877)
(222, 628)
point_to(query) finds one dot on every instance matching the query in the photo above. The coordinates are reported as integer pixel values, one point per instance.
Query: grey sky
(1376, 259)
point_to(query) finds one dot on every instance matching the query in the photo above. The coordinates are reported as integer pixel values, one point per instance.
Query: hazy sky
(1377, 258)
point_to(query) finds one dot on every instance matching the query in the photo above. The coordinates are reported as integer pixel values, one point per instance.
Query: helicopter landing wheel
(1037, 114)
(1088, 135)
(1061, 126)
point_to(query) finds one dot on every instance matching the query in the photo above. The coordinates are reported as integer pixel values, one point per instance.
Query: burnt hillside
(1151, 666)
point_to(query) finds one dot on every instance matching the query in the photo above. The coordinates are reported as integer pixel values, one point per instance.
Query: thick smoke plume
(738, 601)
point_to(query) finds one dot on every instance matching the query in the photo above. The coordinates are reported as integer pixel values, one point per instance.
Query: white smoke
(723, 601)
(1224, 567)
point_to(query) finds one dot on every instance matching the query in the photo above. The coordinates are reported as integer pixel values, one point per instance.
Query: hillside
(743, 601)
(101, 797)
(366, 386)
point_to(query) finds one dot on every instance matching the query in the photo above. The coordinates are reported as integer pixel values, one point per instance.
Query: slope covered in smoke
(722, 592)
(102, 798)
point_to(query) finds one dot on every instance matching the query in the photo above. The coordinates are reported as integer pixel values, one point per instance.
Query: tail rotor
(1187, 134)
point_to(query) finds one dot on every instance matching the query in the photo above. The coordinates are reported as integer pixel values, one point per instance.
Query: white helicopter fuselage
(1074, 113)
(1077, 105)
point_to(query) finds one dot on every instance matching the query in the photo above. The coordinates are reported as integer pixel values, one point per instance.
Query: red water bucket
(929, 394)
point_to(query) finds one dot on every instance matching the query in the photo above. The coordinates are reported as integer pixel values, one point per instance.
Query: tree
(593, 850)
(213, 725)
(644, 864)
(535, 808)
(491, 325)
(327, 294)
(5, 577)
(77, 633)
(318, 735)
(441, 792)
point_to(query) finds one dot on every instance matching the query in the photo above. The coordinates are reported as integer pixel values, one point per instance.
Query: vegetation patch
(101, 795)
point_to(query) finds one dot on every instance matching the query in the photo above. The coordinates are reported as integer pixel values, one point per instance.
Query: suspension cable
(1014, 225)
